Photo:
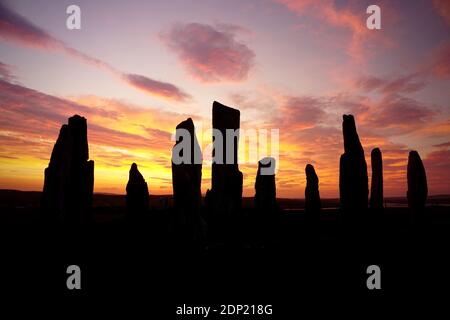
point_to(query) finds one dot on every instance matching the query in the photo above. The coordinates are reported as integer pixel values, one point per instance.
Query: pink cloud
(16, 28)
(440, 61)
(443, 9)
(301, 112)
(31, 119)
(398, 115)
(437, 166)
(343, 17)
(443, 145)
(154, 87)
(210, 53)
(6, 72)
(402, 84)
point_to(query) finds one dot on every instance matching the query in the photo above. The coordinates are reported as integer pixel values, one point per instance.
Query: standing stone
(186, 182)
(376, 187)
(69, 177)
(225, 196)
(353, 179)
(417, 183)
(265, 202)
(137, 198)
(265, 190)
(312, 196)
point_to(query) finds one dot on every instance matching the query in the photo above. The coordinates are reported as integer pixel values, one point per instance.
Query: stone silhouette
(137, 198)
(226, 185)
(417, 183)
(353, 179)
(265, 202)
(225, 197)
(376, 187)
(265, 190)
(186, 182)
(312, 196)
(69, 177)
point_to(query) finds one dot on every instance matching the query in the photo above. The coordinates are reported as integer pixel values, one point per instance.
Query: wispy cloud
(210, 53)
(344, 17)
(403, 84)
(16, 28)
(443, 9)
(6, 72)
(158, 88)
(440, 61)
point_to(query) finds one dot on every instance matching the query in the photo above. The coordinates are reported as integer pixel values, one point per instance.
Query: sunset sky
(138, 68)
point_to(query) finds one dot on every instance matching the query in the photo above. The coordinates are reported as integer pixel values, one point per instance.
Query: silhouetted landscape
(319, 176)
(306, 236)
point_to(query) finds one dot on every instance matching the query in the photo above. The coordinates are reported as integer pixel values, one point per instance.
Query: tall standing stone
(312, 196)
(417, 182)
(353, 179)
(137, 198)
(265, 189)
(225, 196)
(376, 187)
(186, 182)
(69, 177)
(265, 202)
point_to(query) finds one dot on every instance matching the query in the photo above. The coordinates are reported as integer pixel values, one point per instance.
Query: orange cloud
(120, 134)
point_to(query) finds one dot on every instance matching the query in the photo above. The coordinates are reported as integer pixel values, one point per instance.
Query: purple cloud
(16, 28)
(210, 53)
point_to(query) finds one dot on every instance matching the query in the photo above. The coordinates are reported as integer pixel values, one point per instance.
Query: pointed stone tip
(135, 173)
(414, 156)
(309, 168)
(186, 124)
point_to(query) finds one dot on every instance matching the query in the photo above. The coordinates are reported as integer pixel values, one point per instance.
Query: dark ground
(303, 266)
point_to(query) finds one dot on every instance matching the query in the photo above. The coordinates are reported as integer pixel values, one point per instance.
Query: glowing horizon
(135, 70)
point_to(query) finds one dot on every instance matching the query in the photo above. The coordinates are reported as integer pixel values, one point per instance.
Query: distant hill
(29, 199)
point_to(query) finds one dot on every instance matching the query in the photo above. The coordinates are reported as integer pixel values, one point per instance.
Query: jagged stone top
(78, 132)
(72, 142)
(187, 124)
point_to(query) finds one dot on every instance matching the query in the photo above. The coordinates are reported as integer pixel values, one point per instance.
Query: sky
(136, 69)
